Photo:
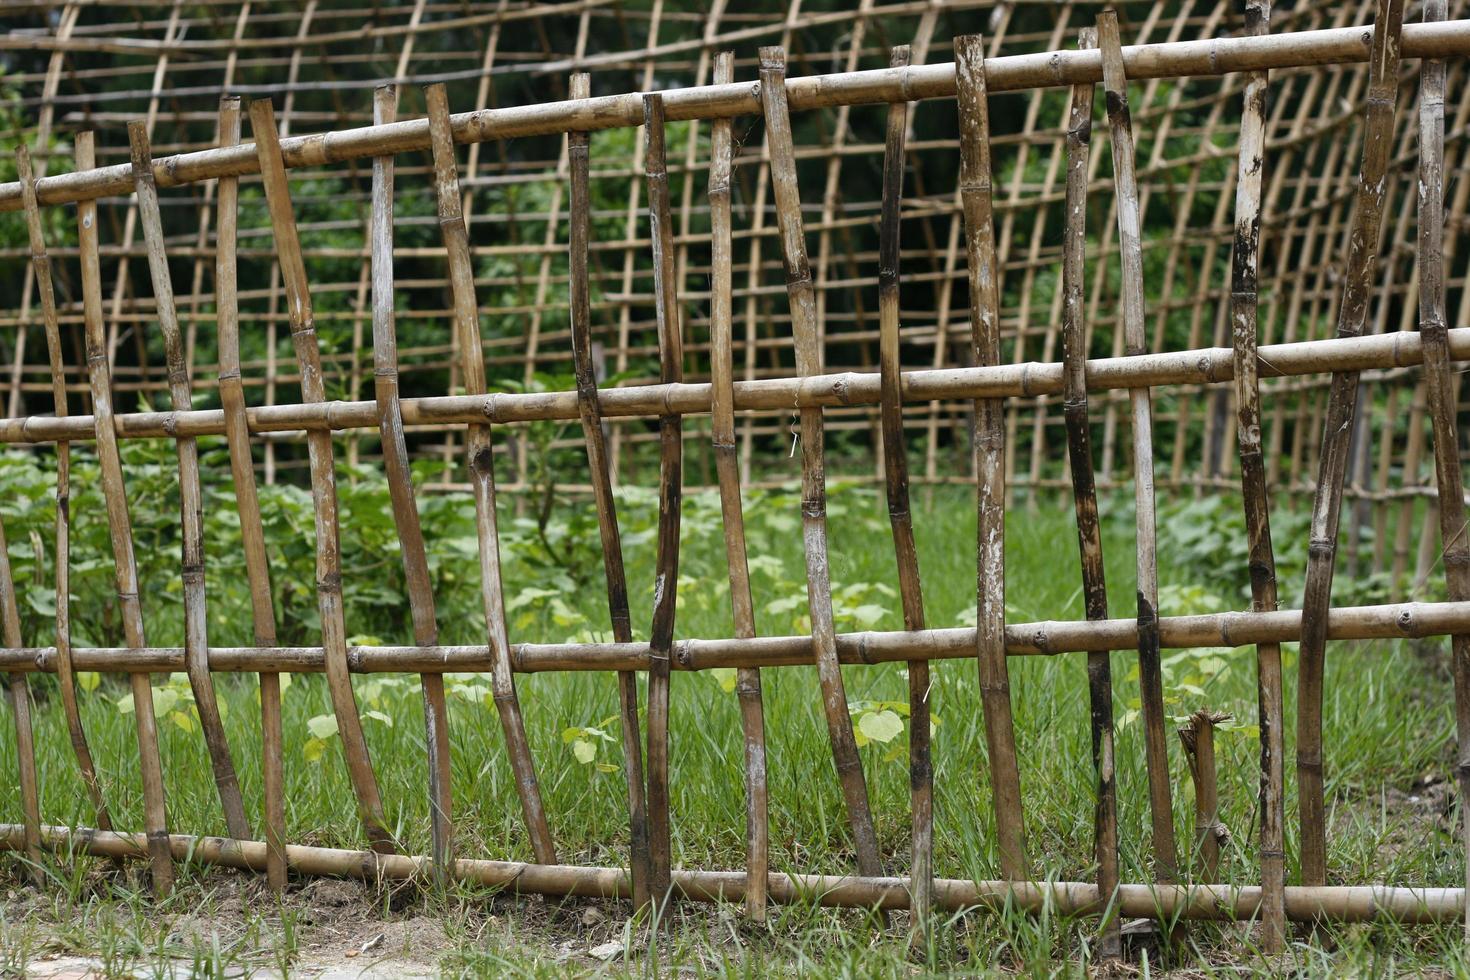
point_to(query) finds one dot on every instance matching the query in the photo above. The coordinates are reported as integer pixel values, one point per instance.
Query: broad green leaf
(880, 726)
(726, 677)
(385, 718)
(183, 719)
(322, 726)
(868, 614)
(584, 750)
(313, 749)
(88, 680)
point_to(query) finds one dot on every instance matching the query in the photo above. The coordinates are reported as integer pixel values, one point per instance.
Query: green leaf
(184, 720)
(868, 614)
(88, 680)
(385, 718)
(322, 727)
(726, 676)
(313, 749)
(880, 726)
(584, 751)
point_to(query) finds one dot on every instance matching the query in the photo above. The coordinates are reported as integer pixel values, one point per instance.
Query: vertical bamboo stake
(120, 530)
(247, 501)
(323, 480)
(1115, 85)
(727, 465)
(1198, 738)
(813, 476)
(984, 283)
(400, 491)
(1441, 382)
(900, 518)
(65, 677)
(19, 691)
(579, 289)
(1084, 495)
(670, 495)
(1243, 317)
(191, 497)
(1337, 435)
(482, 474)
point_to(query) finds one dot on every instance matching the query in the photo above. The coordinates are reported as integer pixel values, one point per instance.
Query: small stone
(606, 951)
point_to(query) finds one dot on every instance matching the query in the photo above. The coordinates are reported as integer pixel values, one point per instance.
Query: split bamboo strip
(670, 495)
(984, 282)
(1198, 739)
(1178, 59)
(1441, 386)
(400, 491)
(482, 475)
(1337, 433)
(65, 677)
(19, 692)
(1084, 496)
(813, 476)
(1271, 713)
(1130, 246)
(1219, 903)
(247, 502)
(900, 516)
(191, 496)
(727, 465)
(120, 530)
(323, 481)
(579, 234)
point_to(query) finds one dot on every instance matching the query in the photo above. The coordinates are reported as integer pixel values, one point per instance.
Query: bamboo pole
(1441, 387)
(1220, 903)
(1115, 87)
(65, 677)
(120, 531)
(984, 276)
(1198, 738)
(579, 235)
(18, 690)
(191, 496)
(813, 476)
(670, 483)
(482, 475)
(1206, 366)
(323, 482)
(1271, 713)
(400, 490)
(1178, 59)
(247, 502)
(900, 517)
(1337, 433)
(1084, 495)
(727, 465)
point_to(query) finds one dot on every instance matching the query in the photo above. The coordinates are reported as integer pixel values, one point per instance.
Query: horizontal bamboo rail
(1220, 903)
(1212, 365)
(1175, 59)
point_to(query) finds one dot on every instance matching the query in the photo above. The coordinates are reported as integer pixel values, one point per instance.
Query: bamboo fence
(1216, 331)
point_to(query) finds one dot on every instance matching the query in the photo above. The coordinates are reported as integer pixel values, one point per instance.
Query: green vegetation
(1388, 720)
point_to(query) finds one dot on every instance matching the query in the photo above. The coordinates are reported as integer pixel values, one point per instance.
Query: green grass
(1389, 737)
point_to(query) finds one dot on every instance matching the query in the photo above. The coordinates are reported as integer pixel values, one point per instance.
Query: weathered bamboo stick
(670, 495)
(1198, 739)
(247, 502)
(1045, 69)
(900, 517)
(1150, 676)
(482, 475)
(813, 475)
(1210, 365)
(984, 276)
(191, 498)
(1084, 494)
(120, 531)
(1271, 713)
(727, 466)
(19, 691)
(1221, 903)
(1337, 436)
(400, 490)
(579, 235)
(65, 677)
(1441, 386)
(323, 482)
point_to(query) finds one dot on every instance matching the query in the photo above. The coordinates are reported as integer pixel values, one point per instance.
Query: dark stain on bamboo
(482, 474)
(1084, 495)
(323, 480)
(1337, 434)
(805, 331)
(579, 286)
(120, 530)
(1115, 87)
(1254, 490)
(191, 499)
(900, 514)
(400, 492)
(247, 500)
